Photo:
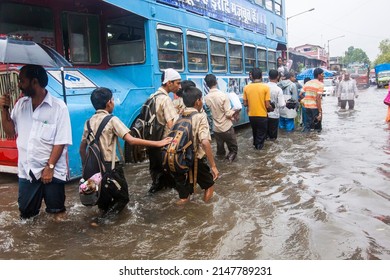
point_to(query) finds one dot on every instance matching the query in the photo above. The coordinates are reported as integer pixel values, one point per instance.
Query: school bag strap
(193, 173)
(102, 125)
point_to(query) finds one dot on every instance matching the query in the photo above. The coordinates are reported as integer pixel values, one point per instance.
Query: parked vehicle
(328, 87)
(360, 72)
(382, 72)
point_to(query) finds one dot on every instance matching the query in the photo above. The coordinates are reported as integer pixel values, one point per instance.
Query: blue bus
(125, 44)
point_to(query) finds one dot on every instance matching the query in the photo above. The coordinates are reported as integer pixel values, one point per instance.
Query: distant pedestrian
(388, 109)
(42, 124)
(257, 98)
(222, 114)
(313, 90)
(282, 68)
(278, 102)
(289, 112)
(347, 91)
(300, 98)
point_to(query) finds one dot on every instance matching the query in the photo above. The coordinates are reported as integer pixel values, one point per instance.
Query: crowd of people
(282, 103)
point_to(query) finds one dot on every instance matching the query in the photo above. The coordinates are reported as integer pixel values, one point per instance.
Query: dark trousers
(204, 179)
(228, 137)
(272, 128)
(30, 197)
(309, 123)
(259, 130)
(160, 178)
(114, 193)
(351, 104)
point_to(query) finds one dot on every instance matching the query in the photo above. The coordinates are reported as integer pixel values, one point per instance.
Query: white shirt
(37, 132)
(347, 90)
(277, 98)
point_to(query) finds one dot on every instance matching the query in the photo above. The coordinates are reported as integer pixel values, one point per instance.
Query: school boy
(112, 199)
(192, 99)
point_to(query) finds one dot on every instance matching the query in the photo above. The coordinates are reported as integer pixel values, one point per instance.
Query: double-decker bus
(361, 73)
(125, 44)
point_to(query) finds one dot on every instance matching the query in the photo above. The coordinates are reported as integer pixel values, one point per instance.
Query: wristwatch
(51, 166)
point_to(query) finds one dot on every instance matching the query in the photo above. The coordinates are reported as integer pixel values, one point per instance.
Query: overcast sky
(363, 22)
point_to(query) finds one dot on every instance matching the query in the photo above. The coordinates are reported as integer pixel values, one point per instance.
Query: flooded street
(318, 196)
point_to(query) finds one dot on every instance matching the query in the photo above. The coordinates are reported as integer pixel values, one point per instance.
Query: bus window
(81, 38)
(269, 5)
(250, 58)
(170, 47)
(278, 7)
(272, 60)
(218, 54)
(126, 41)
(235, 56)
(197, 52)
(30, 23)
(262, 59)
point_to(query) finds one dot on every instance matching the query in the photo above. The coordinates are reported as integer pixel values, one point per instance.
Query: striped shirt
(312, 89)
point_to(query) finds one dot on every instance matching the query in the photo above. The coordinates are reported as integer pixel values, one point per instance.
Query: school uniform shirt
(37, 132)
(277, 98)
(200, 130)
(165, 109)
(256, 94)
(178, 104)
(219, 104)
(114, 128)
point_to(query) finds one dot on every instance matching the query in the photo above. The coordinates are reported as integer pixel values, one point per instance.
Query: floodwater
(317, 196)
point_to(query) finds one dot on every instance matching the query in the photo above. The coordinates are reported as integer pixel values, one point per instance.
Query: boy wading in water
(207, 171)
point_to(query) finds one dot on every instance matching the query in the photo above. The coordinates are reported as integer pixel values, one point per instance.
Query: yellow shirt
(256, 94)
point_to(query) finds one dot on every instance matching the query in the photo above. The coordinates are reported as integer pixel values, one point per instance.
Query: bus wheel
(134, 154)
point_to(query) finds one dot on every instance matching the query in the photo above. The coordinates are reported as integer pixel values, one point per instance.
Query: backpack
(147, 126)
(93, 168)
(179, 155)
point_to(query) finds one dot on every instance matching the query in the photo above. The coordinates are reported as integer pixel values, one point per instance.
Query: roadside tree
(384, 55)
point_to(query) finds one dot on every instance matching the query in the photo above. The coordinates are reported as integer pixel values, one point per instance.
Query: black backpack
(94, 162)
(147, 126)
(179, 155)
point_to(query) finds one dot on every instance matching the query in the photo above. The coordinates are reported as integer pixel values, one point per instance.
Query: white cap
(171, 75)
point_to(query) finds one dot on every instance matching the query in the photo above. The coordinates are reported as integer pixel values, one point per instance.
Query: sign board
(236, 12)
(73, 79)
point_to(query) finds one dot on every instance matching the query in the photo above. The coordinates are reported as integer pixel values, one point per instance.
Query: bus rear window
(170, 49)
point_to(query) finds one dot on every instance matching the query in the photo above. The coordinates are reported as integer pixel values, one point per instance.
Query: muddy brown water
(317, 196)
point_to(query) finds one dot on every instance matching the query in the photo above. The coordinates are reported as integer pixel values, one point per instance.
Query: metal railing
(9, 84)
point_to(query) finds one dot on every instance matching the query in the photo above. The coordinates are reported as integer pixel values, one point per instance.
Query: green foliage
(355, 56)
(384, 56)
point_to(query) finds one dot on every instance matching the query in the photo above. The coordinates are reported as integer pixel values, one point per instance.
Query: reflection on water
(317, 196)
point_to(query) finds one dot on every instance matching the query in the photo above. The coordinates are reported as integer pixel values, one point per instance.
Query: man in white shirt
(347, 91)
(277, 99)
(222, 113)
(42, 125)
